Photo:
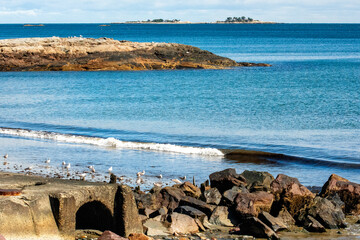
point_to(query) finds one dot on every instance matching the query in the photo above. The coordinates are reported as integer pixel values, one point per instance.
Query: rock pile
(252, 203)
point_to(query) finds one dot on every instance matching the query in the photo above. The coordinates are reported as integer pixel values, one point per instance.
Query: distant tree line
(163, 20)
(239, 19)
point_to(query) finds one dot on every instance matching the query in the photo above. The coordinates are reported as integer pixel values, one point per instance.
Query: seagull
(82, 176)
(159, 176)
(157, 184)
(63, 164)
(47, 161)
(28, 168)
(68, 166)
(110, 169)
(139, 181)
(176, 181)
(6, 156)
(183, 178)
(141, 173)
(92, 169)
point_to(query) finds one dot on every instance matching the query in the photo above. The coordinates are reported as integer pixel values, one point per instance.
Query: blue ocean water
(307, 105)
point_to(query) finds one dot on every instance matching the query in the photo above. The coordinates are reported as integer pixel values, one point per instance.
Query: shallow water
(306, 105)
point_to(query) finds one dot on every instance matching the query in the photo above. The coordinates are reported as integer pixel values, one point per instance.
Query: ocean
(173, 122)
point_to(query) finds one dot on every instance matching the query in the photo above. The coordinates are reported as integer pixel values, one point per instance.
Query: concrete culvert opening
(94, 215)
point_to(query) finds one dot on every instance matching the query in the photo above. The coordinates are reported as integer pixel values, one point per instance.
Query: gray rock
(254, 227)
(312, 225)
(286, 218)
(230, 195)
(183, 224)
(190, 211)
(190, 189)
(258, 181)
(155, 228)
(226, 179)
(274, 223)
(212, 196)
(200, 205)
(326, 213)
(220, 216)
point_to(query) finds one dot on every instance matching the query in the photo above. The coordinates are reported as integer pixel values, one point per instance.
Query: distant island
(34, 25)
(229, 20)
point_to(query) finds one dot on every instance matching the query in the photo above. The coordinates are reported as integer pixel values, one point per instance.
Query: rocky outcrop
(258, 181)
(226, 179)
(251, 204)
(87, 54)
(348, 192)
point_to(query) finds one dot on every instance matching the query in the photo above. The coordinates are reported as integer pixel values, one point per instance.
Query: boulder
(171, 197)
(286, 218)
(251, 204)
(190, 190)
(200, 205)
(192, 212)
(275, 224)
(230, 195)
(183, 224)
(326, 213)
(155, 228)
(258, 181)
(205, 186)
(289, 193)
(108, 235)
(148, 201)
(212, 196)
(349, 192)
(226, 179)
(254, 227)
(220, 216)
(312, 225)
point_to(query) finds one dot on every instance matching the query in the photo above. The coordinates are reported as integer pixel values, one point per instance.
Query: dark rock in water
(183, 224)
(220, 216)
(230, 195)
(312, 225)
(254, 227)
(108, 235)
(275, 224)
(155, 228)
(212, 196)
(326, 213)
(258, 181)
(190, 190)
(190, 211)
(251, 204)
(286, 218)
(202, 206)
(226, 179)
(349, 192)
(149, 201)
(289, 193)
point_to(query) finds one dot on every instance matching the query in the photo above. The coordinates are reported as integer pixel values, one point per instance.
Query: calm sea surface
(307, 105)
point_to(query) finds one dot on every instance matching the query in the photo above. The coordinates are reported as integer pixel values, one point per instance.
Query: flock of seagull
(82, 175)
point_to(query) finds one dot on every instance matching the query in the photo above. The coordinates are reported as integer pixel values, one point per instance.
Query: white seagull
(82, 176)
(110, 169)
(68, 166)
(6, 156)
(141, 173)
(63, 164)
(139, 181)
(47, 161)
(159, 176)
(176, 181)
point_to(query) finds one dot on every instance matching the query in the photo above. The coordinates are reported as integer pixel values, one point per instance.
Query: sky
(106, 11)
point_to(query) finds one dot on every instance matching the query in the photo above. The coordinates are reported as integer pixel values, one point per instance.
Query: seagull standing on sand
(176, 181)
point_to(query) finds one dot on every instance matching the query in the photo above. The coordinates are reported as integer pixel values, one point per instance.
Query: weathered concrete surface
(54, 208)
(87, 54)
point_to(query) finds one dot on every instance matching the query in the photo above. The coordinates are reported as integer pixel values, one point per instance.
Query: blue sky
(101, 11)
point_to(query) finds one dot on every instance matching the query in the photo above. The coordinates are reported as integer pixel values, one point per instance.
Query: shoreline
(37, 189)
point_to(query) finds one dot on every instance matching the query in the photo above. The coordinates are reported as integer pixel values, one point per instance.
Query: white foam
(111, 142)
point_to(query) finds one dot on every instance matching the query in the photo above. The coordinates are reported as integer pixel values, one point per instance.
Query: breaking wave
(110, 142)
